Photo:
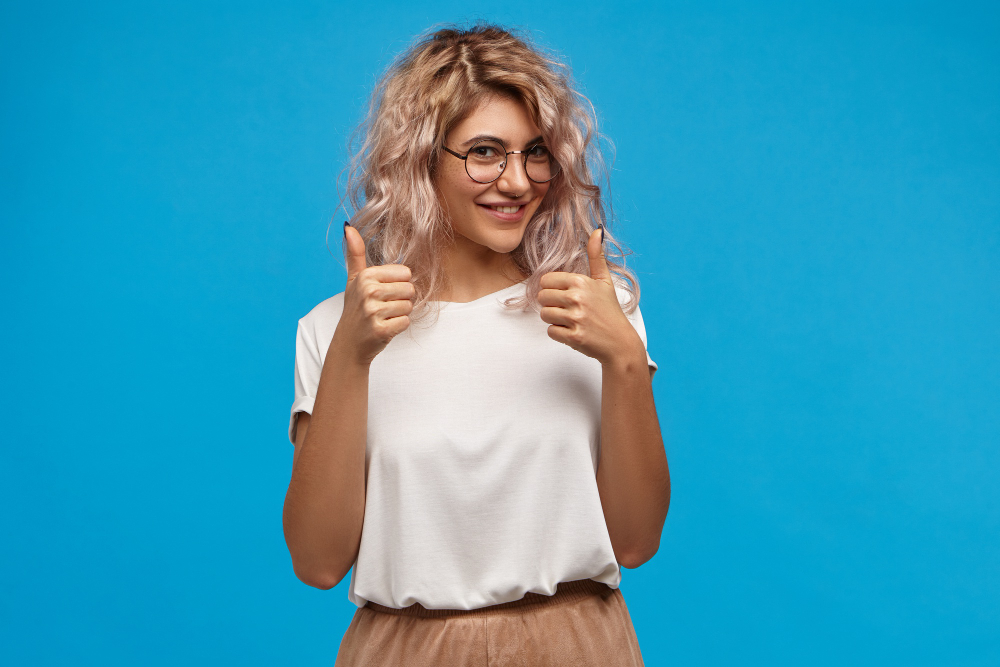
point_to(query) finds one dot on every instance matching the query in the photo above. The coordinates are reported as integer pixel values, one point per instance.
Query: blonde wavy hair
(428, 90)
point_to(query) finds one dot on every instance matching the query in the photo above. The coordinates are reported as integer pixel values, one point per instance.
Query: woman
(487, 471)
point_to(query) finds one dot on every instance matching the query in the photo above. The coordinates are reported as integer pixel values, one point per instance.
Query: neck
(473, 271)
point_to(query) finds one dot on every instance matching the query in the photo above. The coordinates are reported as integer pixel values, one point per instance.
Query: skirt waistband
(565, 591)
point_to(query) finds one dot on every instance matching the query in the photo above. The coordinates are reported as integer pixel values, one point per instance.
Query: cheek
(464, 190)
(450, 189)
(458, 194)
(543, 189)
(458, 184)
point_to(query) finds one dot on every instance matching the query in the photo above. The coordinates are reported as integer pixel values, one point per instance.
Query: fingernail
(346, 225)
(602, 233)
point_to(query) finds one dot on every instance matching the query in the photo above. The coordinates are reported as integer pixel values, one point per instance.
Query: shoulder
(620, 289)
(625, 298)
(325, 315)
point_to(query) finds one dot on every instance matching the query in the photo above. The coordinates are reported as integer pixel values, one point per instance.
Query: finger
(392, 291)
(388, 291)
(595, 252)
(393, 309)
(390, 273)
(354, 252)
(560, 335)
(560, 280)
(556, 316)
(396, 325)
(555, 297)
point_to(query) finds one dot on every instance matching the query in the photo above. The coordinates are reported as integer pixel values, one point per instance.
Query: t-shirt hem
(301, 404)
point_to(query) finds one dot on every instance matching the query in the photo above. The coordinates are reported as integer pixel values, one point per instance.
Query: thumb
(354, 251)
(595, 251)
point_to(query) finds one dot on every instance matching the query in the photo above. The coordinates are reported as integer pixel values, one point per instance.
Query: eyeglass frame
(525, 152)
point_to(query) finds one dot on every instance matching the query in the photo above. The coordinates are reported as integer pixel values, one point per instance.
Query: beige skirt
(586, 623)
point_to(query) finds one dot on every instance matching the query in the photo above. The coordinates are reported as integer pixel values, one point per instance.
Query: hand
(585, 312)
(377, 301)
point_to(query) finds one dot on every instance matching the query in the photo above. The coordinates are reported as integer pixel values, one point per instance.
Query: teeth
(505, 209)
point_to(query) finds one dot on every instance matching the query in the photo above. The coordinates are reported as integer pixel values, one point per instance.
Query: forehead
(501, 117)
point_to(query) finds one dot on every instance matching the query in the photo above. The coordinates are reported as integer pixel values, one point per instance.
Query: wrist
(627, 359)
(346, 356)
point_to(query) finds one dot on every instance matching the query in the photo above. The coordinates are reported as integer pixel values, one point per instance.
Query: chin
(504, 241)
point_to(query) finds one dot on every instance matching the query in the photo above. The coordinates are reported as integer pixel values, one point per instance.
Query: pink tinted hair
(431, 87)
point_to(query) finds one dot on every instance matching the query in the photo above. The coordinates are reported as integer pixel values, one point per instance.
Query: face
(490, 216)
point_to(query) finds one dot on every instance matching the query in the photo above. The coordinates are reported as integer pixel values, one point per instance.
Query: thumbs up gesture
(377, 301)
(585, 312)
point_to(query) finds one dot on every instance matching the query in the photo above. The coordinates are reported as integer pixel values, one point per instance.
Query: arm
(325, 504)
(632, 475)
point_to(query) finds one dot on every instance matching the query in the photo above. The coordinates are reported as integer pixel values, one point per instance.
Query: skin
(324, 506)
(478, 262)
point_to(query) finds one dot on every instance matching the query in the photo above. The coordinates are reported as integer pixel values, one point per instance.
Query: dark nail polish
(346, 225)
(602, 233)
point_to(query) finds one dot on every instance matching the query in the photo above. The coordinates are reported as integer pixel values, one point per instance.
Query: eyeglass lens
(488, 159)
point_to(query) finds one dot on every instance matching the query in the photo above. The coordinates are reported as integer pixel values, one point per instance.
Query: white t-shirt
(481, 459)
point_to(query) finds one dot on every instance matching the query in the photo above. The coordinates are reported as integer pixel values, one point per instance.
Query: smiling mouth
(507, 214)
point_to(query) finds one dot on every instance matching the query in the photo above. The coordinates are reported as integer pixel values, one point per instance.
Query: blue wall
(812, 191)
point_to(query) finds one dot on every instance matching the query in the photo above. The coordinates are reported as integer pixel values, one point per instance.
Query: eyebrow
(487, 137)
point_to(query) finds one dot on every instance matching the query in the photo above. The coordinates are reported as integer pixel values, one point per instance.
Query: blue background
(812, 192)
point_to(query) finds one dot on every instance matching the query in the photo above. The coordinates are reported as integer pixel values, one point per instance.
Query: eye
(485, 152)
(538, 153)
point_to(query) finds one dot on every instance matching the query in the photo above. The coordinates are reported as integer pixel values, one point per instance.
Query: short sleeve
(636, 319)
(308, 368)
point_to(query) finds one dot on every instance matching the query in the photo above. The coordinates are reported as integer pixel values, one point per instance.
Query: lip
(505, 217)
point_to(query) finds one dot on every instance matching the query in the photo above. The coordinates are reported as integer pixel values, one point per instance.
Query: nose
(514, 180)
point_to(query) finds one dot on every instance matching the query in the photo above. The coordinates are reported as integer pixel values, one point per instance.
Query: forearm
(632, 476)
(325, 504)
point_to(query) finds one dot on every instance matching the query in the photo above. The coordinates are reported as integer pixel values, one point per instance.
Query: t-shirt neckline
(488, 298)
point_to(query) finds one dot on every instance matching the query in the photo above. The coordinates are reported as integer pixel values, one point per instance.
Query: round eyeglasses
(487, 159)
